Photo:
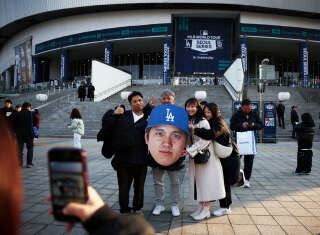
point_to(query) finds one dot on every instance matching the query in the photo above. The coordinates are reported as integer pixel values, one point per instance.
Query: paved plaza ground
(277, 202)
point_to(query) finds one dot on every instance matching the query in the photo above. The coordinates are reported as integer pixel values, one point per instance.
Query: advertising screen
(203, 45)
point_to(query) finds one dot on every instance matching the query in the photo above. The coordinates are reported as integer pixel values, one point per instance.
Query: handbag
(222, 151)
(202, 156)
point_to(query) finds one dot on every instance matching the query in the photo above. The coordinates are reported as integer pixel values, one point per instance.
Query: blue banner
(269, 119)
(108, 53)
(166, 61)
(244, 56)
(64, 65)
(203, 45)
(35, 69)
(304, 62)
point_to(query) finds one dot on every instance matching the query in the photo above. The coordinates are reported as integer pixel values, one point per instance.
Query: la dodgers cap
(168, 114)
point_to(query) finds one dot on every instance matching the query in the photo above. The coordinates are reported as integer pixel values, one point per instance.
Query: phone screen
(67, 182)
(68, 179)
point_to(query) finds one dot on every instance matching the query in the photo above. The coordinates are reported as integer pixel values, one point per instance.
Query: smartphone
(68, 179)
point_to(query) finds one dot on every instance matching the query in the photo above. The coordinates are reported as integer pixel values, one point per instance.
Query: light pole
(261, 87)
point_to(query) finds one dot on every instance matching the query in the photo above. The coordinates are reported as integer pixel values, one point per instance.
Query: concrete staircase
(56, 118)
(271, 94)
(55, 115)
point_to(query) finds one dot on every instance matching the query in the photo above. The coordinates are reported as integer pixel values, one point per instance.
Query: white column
(2, 82)
(15, 76)
(8, 78)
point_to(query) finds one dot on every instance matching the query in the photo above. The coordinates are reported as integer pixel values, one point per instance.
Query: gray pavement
(277, 202)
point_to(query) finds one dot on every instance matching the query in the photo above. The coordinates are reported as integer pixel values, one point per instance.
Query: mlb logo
(204, 32)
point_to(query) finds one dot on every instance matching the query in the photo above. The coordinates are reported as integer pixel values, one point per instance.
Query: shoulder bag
(222, 151)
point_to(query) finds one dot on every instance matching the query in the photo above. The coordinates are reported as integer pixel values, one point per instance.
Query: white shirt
(137, 117)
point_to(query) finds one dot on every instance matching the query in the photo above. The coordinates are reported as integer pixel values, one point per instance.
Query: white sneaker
(204, 214)
(197, 211)
(158, 209)
(246, 184)
(175, 210)
(222, 211)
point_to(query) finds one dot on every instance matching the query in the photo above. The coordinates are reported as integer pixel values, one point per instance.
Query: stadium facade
(158, 41)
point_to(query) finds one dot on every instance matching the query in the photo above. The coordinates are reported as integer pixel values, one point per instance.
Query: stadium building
(159, 42)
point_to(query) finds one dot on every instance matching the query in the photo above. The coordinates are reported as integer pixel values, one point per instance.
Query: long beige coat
(208, 176)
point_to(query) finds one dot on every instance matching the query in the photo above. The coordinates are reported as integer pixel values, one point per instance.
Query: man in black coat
(81, 92)
(91, 89)
(130, 150)
(280, 112)
(246, 120)
(8, 111)
(294, 120)
(305, 132)
(23, 123)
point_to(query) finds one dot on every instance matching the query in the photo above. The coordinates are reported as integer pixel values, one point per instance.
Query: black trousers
(248, 164)
(126, 175)
(29, 143)
(281, 120)
(231, 175)
(304, 161)
(293, 130)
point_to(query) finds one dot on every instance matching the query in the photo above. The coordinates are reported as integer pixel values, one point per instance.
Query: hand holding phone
(68, 179)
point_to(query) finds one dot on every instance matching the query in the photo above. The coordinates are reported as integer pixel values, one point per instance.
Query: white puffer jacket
(77, 126)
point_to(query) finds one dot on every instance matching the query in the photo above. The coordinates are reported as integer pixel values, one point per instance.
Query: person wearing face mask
(246, 120)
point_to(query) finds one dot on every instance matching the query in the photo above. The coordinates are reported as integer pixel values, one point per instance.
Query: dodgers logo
(169, 117)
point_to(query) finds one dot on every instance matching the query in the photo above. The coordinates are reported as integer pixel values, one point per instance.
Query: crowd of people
(161, 137)
(25, 124)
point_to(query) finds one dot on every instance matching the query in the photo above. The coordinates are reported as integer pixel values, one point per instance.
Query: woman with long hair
(206, 179)
(77, 127)
(231, 165)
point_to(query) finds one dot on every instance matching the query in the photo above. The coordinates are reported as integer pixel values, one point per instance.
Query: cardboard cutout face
(166, 133)
(166, 143)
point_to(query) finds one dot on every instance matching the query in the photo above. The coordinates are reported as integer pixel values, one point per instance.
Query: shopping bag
(246, 143)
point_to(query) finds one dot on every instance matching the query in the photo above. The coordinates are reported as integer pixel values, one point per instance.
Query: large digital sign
(203, 45)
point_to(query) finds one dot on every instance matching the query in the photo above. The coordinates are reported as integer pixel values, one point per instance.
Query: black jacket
(215, 125)
(280, 109)
(105, 221)
(22, 124)
(305, 132)
(239, 118)
(91, 91)
(81, 91)
(127, 138)
(294, 116)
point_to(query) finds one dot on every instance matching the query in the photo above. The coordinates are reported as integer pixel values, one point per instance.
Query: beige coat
(208, 177)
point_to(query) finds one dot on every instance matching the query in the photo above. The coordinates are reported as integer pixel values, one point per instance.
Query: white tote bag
(247, 143)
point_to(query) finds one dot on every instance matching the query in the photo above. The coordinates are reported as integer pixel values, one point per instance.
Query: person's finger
(50, 211)
(69, 227)
(48, 198)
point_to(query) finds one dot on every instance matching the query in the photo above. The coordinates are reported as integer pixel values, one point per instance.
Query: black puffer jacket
(128, 142)
(240, 117)
(305, 132)
(216, 125)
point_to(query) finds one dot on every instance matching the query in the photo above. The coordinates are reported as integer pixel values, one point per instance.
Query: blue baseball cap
(168, 114)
